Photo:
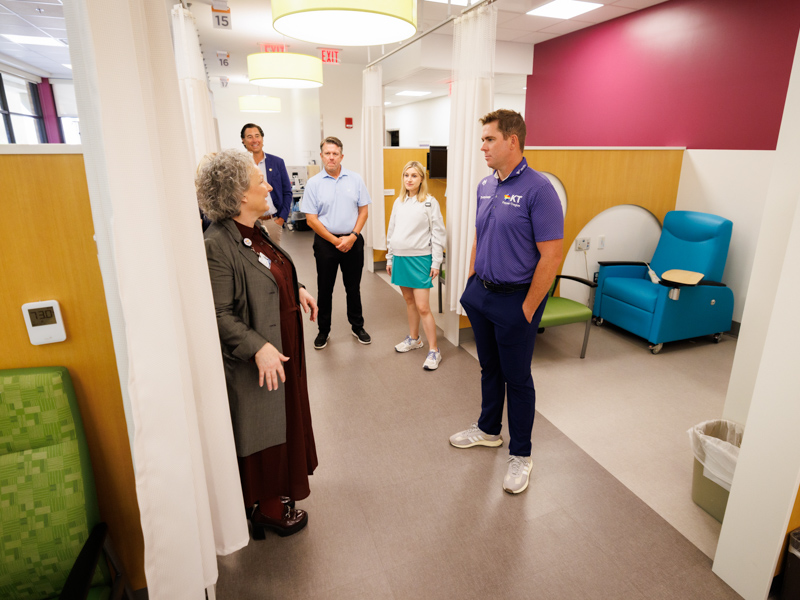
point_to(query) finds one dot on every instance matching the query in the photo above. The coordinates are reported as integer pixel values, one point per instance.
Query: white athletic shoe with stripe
(475, 437)
(518, 475)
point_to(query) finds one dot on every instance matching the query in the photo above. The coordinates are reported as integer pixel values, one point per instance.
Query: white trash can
(716, 446)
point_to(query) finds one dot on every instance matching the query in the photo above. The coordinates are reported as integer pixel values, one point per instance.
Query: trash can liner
(794, 542)
(716, 446)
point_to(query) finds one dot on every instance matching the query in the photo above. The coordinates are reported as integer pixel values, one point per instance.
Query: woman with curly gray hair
(258, 300)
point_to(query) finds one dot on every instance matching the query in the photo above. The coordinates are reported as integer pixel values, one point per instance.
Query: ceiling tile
(504, 17)
(533, 23)
(43, 21)
(604, 13)
(566, 27)
(20, 30)
(535, 37)
(637, 4)
(28, 9)
(10, 19)
(509, 35)
(12, 4)
(56, 33)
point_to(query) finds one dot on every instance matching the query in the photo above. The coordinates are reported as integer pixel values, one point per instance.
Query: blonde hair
(422, 194)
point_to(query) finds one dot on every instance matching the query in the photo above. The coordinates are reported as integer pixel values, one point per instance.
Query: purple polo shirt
(513, 215)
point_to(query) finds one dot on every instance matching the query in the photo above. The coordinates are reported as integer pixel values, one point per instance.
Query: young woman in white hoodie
(415, 243)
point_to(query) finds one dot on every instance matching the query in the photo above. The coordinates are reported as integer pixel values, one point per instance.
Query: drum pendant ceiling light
(284, 70)
(346, 22)
(262, 104)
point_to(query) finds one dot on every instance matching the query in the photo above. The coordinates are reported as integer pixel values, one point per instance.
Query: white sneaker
(475, 437)
(432, 361)
(518, 475)
(409, 344)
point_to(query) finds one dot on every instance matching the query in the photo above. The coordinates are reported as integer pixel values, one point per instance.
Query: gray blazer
(248, 316)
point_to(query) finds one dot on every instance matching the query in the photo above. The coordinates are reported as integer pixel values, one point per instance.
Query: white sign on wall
(221, 18)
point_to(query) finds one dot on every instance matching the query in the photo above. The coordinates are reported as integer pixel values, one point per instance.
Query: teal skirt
(412, 271)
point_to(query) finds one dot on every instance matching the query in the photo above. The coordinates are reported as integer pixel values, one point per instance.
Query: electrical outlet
(601, 242)
(582, 243)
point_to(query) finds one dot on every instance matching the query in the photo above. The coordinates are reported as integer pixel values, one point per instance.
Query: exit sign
(330, 55)
(265, 47)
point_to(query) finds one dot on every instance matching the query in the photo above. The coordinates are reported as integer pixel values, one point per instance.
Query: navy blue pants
(505, 341)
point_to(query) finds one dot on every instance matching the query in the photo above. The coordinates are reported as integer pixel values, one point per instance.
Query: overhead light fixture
(31, 40)
(412, 93)
(453, 2)
(68, 66)
(386, 103)
(346, 22)
(564, 9)
(261, 104)
(284, 70)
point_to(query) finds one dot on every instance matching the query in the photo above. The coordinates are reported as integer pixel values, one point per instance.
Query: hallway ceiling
(252, 25)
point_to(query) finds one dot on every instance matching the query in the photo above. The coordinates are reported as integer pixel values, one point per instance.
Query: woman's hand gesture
(270, 366)
(307, 302)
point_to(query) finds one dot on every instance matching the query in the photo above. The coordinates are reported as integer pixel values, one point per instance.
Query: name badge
(264, 260)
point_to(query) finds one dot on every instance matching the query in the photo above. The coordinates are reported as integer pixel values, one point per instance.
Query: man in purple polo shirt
(519, 228)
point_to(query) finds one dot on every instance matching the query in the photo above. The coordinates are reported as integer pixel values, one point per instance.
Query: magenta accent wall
(708, 74)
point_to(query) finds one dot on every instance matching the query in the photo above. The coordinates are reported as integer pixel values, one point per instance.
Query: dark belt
(504, 288)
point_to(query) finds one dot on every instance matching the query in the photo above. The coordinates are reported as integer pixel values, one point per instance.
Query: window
(70, 130)
(67, 110)
(21, 114)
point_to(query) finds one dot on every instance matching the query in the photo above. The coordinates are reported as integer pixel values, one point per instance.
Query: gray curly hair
(221, 181)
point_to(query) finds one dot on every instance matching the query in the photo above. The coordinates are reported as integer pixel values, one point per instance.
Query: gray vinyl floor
(395, 512)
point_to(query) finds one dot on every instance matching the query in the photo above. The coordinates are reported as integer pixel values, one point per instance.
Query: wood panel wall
(394, 159)
(48, 253)
(594, 179)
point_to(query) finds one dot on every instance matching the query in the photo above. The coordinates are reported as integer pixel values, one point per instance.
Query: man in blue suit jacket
(274, 169)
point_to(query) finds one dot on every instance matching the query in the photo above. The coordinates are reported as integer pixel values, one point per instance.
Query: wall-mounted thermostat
(44, 322)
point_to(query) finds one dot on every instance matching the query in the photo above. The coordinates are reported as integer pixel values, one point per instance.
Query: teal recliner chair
(690, 299)
(51, 539)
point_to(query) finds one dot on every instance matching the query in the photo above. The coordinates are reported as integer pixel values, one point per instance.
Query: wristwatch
(355, 233)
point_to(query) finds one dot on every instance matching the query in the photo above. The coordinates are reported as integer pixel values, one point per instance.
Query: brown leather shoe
(294, 519)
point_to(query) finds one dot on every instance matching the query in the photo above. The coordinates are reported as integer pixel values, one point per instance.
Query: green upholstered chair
(563, 311)
(51, 537)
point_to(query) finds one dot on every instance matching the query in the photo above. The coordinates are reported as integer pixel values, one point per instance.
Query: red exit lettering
(330, 56)
(272, 47)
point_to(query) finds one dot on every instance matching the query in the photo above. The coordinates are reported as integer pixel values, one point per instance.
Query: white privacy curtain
(472, 97)
(372, 155)
(140, 176)
(198, 115)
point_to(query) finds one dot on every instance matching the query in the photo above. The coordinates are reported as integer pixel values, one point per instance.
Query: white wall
(631, 233)
(732, 184)
(293, 134)
(340, 97)
(768, 469)
(427, 122)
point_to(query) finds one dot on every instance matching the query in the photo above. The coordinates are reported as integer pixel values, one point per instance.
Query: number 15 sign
(221, 18)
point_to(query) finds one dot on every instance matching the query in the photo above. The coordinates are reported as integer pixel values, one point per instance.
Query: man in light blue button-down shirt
(336, 203)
